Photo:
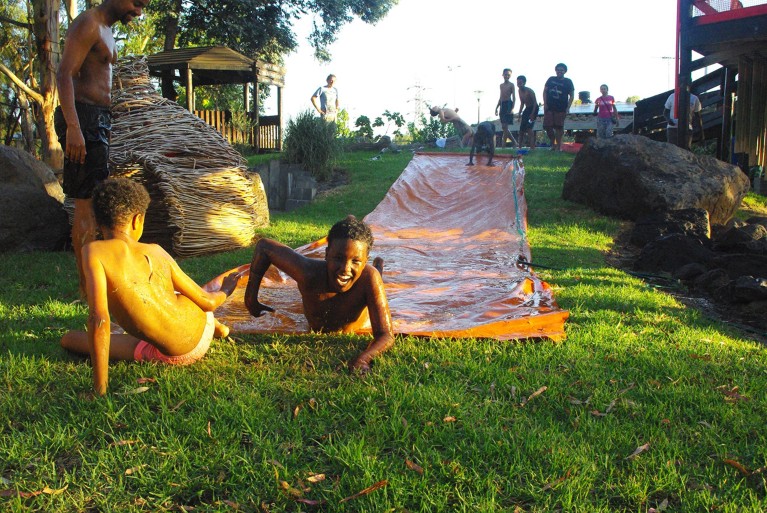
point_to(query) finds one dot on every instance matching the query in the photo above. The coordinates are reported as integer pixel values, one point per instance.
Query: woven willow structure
(203, 199)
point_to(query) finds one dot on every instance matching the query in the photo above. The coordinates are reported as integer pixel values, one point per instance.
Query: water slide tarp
(450, 236)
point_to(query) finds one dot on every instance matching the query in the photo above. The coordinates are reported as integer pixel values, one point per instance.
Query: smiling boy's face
(346, 259)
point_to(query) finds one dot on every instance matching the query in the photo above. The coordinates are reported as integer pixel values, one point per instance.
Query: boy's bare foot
(221, 331)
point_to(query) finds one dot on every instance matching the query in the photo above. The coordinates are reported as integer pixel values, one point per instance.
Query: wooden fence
(266, 136)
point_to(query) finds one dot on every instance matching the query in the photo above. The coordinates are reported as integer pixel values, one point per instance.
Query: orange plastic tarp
(450, 236)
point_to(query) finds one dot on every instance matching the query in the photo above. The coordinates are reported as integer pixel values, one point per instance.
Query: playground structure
(733, 35)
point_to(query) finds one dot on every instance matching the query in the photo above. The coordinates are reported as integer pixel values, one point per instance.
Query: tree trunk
(171, 32)
(46, 28)
(25, 109)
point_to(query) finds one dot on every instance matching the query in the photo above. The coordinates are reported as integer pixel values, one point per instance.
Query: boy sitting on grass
(338, 293)
(166, 315)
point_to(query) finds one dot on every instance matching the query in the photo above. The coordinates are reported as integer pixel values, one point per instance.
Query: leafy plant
(342, 124)
(364, 128)
(312, 142)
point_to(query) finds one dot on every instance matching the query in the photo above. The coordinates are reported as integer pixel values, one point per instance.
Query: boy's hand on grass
(359, 366)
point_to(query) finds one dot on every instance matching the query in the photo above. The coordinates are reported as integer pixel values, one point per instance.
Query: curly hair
(117, 200)
(353, 229)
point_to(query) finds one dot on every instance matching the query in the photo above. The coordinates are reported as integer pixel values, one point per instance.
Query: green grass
(451, 425)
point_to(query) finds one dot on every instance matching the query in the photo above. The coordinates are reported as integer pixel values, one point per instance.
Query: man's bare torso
(141, 297)
(93, 84)
(506, 89)
(525, 97)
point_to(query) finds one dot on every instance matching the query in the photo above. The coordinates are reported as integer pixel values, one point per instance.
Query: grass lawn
(646, 404)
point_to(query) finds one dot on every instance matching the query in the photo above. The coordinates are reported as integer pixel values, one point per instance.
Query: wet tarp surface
(450, 236)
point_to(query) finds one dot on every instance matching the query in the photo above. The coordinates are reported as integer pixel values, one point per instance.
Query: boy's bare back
(137, 281)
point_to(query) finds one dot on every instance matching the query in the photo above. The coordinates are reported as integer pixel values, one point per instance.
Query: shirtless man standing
(505, 108)
(83, 121)
(528, 112)
(167, 317)
(339, 294)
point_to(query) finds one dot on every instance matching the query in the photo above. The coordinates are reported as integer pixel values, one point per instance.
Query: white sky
(449, 49)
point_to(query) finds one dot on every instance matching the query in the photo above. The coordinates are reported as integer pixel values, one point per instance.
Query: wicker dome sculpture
(203, 199)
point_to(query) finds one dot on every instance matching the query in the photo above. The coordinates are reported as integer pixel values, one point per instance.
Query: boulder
(32, 215)
(691, 221)
(671, 252)
(631, 176)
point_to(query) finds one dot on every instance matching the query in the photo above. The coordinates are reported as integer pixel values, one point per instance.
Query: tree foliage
(261, 29)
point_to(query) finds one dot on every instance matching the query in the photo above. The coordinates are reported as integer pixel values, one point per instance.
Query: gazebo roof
(211, 65)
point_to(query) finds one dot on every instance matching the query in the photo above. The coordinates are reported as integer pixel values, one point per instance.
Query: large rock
(631, 176)
(32, 215)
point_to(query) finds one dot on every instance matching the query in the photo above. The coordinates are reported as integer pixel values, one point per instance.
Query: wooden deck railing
(267, 135)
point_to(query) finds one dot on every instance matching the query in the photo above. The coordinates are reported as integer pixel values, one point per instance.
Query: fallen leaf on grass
(734, 464)
(120, 443)
(296, 410)
(577, 402)
(733, 394)
(177, 406)
(661, 507)
(137, 390)
(232, 504)
(292, 492)
(57, 491)
(449, 418)
(639, 450)
(143, 381)
(316, 478)
(413, 466)
(371, 488)
(535, 394)
(706, 357)
(133, 470)
(310, 502)
(210, 435)
(554, 483)
(16, 493)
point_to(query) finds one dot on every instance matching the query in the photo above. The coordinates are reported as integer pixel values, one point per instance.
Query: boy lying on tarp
(166, 315)
(338, 293)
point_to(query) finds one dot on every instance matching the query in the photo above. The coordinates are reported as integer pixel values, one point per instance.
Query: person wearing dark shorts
(505, 107)
(557, 99)
(529, 103)
(95, 123)
(84, 82)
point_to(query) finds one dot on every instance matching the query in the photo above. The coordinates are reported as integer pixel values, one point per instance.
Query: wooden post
(189, 90)
(278, 142)
(724, 146)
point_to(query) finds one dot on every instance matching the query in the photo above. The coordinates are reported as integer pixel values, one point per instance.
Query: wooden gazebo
(216, 65)
(733, 34)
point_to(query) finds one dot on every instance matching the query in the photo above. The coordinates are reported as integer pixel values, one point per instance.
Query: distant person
(83, 121)
(339, 293)
(451, 116)
(528, 113)
(607, 114)
(557, 99)
(695, 123)
(484, 139)
(505, 108)
(327, 96)
(167, 317)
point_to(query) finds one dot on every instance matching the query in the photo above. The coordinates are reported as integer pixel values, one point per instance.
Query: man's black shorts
(96, 123)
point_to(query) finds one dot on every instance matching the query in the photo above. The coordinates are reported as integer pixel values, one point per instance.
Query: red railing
(714, 11)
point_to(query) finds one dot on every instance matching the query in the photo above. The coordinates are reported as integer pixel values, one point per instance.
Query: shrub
(312, 142)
